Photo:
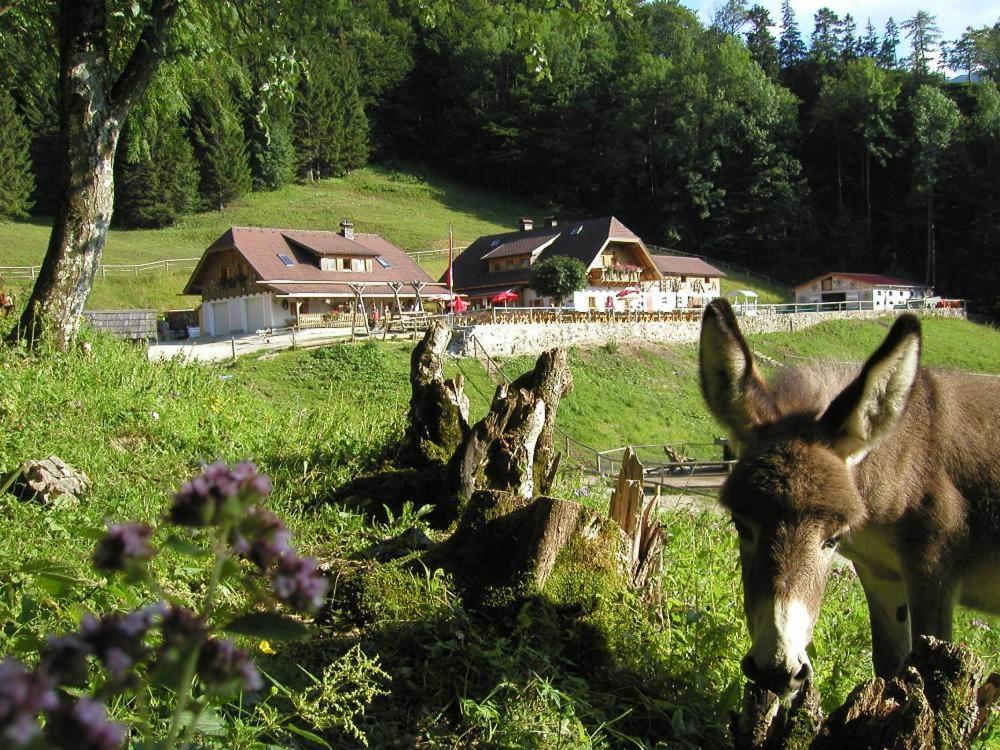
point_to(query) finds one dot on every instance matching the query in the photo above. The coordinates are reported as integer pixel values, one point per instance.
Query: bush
(16, 180)
(558, 277)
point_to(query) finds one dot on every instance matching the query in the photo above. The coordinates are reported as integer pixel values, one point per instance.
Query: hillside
(410, 209)
(556, 671)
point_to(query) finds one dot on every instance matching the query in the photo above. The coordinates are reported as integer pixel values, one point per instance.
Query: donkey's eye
(833, 541)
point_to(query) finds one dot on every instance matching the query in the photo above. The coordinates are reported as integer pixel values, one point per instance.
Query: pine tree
(221, 149)
(16, 179)
(314, 119)
(791, 48)
(888, 57)
(869, 46)
(849, 41)
(923, 32)
(156, 177)
(760, 41)
(353, 133)
(824, 46)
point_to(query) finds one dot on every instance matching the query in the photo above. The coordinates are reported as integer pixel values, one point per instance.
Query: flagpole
(451, 262)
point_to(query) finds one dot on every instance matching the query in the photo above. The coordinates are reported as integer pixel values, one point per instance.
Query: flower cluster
(23, 695)
(225, 669)
(260, 537)
(83, 725)
(125, 547)
(219, 494)
(298, 583)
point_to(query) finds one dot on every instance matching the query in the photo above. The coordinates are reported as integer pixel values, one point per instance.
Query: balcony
(619, 275)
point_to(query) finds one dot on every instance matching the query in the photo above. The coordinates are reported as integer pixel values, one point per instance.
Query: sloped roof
(680, 265)
(871, 279)
(262, 246)
(582, 240)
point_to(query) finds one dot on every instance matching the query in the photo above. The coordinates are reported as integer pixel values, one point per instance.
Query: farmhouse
(254, 278)
(871, 291)
(620, 270)
(687, 282)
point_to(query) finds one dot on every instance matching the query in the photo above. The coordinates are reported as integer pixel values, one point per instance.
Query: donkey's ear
(734, 391)
(871, 407)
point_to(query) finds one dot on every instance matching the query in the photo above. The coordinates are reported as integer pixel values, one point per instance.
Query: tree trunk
(439, 408)
(636, 515)
(868, 201)
(938, 702)
(91, 116)
(931, 272)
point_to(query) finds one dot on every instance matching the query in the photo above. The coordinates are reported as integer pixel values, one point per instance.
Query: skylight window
(494, 243)
(286, 260)
(577, 230)
(384, 262)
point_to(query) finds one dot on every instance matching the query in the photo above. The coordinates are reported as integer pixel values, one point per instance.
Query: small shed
(129, 325)
(744, 301)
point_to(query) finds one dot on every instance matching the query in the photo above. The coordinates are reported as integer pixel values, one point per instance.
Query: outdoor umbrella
(459, 305)
(507, 296)
(627, 292)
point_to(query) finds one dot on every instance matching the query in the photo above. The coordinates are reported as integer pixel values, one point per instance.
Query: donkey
(897, 467)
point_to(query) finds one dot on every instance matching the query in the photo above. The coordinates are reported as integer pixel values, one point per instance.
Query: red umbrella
(627, 292)
(459, 305)
(508, 296)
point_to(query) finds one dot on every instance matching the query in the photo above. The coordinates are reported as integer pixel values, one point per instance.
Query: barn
(870, 291)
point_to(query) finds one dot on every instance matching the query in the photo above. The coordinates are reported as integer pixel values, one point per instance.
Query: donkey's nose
(777, 679)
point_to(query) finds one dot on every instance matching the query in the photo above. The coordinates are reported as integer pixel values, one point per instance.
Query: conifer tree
(791, 48)
(16, 179)
(888, 57)
(760, 41)
(221, 149)
(923, 32)
(353, 132)
(869, 46)
(825, 42)
(156, 175)
(315, 122)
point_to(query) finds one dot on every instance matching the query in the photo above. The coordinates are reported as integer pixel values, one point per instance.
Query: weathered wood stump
(50, 480)
(636, 515)
(938, 702)
(509, 533)
(439, 408)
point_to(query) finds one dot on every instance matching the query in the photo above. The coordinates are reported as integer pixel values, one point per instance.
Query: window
(525, 262)
(684, 279)
(494, 243)
(348, 264)
(286, 260)
(576, 230)
(826, 285)
(383, 262)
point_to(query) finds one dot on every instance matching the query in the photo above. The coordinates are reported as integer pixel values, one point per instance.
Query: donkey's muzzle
(776, 679)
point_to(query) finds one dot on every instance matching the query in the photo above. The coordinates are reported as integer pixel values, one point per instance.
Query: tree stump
(511, 448)
(938, 702)
(50, 480)
(636, 516)
(439, 408)
(509, 533)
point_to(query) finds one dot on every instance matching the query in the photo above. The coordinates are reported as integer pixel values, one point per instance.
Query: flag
(451, 262)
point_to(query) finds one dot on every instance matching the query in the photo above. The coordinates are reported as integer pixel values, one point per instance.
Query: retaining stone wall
(510, 339)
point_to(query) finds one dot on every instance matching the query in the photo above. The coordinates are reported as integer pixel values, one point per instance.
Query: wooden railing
(107, 269)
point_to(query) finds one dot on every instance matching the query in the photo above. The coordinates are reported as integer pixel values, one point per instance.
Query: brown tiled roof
(873, 279)
(518, 245)
(262, 246)
(679, 265)
(577, 239)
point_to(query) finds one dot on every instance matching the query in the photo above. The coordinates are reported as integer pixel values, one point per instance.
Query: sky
(953, 16)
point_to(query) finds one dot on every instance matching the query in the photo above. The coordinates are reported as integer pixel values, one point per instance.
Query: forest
(791, 146)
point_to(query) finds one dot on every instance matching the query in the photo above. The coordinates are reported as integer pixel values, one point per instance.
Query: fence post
(232, 341)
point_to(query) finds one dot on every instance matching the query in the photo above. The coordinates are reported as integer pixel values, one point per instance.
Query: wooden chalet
(615, 257)
(255, 278)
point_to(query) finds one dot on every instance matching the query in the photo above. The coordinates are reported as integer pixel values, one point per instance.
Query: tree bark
(636, 515)
(439, 408)
(91, 117)
(938, 702)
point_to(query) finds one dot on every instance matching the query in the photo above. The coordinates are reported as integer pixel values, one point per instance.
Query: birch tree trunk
(93, 105)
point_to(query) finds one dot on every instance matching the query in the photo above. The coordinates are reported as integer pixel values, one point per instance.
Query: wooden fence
(108, 269)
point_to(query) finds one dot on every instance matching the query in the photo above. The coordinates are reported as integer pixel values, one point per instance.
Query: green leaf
(268, 625)
(181, 547)
(306, 734)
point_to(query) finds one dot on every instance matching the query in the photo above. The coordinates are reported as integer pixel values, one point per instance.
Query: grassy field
(410, 209)
(769, 293)
(586, 666)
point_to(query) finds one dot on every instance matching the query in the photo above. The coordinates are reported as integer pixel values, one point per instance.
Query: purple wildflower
(119, 641)
(125, 547)
(261, 537)
(23, 695)
(182, 632)
(218, 493)
(83, 725)
(225, 669)
(298, 583)
(64, 659)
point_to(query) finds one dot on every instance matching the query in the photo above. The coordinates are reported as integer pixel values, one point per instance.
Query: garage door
(220, 311)
(255, 314)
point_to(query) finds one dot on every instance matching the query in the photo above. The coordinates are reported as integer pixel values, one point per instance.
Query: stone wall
(512, 339)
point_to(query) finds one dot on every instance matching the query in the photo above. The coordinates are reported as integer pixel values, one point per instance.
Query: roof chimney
(527, 224)
(551, 221)
(347, 229)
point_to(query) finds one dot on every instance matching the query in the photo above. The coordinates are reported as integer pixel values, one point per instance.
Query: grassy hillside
(409, 209)
(587, 667)
(769, 294)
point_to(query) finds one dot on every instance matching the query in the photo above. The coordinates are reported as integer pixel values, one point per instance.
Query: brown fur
(921, 508)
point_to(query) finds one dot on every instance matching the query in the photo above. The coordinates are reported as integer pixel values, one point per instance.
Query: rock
(50, 480)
